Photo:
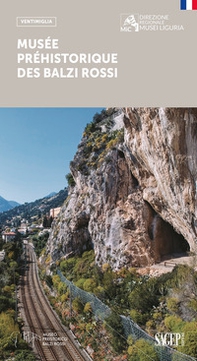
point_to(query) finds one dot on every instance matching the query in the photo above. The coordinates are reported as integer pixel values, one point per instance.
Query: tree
(144, 296)
(87, 307)
(190, 345)
(70, 180)
(108, 283)
(62, 288)
(24, 355)
(56, 281)
(77, 305)
(115, 327)
(142, 351)
(45, 222)
(89, 285)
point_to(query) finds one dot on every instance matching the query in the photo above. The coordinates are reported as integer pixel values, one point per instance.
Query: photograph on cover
(98, 226)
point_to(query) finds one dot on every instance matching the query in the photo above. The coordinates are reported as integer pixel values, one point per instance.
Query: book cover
(98, 143)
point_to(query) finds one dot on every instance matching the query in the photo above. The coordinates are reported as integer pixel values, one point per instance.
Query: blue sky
(36, 147)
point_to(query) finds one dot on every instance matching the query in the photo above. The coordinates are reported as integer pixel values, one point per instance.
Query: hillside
(6, 205)
(36, 208)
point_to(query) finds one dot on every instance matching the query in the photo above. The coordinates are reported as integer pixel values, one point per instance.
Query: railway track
(50, 340)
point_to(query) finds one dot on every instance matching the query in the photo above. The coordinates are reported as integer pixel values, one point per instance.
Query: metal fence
(99, 309)
(102, 311)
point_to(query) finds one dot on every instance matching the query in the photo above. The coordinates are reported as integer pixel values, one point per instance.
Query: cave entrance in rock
(169, 243)
(166, 242)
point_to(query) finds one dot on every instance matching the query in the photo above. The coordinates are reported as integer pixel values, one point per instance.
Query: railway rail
(50, 340)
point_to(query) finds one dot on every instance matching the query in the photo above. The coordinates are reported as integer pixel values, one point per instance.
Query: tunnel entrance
(165, 241)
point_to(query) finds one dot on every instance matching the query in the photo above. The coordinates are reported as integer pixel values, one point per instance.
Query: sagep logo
(129, 23)
(169, 339)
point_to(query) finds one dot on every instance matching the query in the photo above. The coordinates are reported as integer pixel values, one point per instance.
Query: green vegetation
(98, 140)
(39, 242)
(115, 327)
(11, 341)
(141, 350)
(162, 304)
(97, 118)
(75, 267)
(47, 221)
(70, 180)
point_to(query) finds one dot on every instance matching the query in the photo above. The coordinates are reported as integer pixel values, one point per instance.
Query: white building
(54, 212)
(8, 236)
(2, 255)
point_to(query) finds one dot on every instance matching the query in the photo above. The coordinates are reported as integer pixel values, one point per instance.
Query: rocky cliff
(134, 198)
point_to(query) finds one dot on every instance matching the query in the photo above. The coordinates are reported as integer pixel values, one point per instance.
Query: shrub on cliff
(70, 180)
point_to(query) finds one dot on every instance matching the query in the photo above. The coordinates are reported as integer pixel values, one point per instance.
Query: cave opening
(165, 241)
(135, 182)
(121, 154)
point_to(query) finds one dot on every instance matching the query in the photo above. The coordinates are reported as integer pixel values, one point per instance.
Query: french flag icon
(188, 4)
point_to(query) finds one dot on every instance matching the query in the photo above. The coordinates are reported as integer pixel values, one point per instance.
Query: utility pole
(15, 296)
(25, 258)
(70, 292)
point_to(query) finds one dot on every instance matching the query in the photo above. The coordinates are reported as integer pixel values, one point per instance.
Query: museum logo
(30, 337)
(134, 23)
(129, 23)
